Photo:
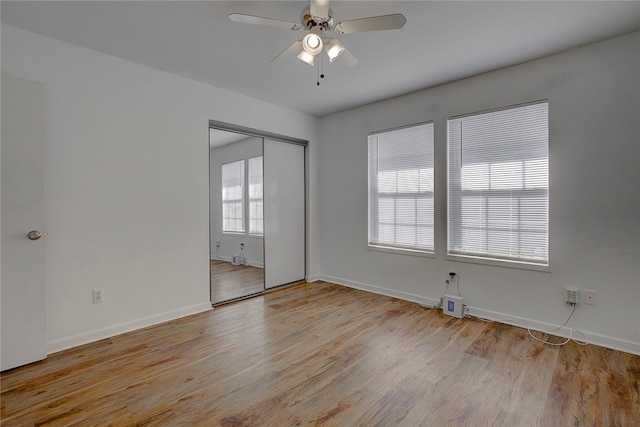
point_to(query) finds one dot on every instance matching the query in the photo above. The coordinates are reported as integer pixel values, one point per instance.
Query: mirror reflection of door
(237, 231)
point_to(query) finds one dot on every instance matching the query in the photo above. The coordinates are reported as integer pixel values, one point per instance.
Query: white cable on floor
(571, 330)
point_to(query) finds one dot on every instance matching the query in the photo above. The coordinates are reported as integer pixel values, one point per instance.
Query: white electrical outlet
(589, 297)
(571, 296)
(98, 296)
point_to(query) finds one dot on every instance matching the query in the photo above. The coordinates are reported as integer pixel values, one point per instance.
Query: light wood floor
(321, 354)
(234, 281)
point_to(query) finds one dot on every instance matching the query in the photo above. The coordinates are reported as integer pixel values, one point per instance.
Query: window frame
(485, 195)
(250, 199)
(419, 195)
(226, 202)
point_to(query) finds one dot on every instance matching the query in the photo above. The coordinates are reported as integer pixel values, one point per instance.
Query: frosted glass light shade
(334, 49)
(306, 57)
(312, 44)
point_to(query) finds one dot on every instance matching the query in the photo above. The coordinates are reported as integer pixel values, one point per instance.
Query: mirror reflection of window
(232, 197)
(255, 196)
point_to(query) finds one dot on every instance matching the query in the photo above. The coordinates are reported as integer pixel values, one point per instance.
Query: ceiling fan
(319, 27)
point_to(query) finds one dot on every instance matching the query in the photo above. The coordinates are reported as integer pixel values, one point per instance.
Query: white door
(23, 327)
(284, 213)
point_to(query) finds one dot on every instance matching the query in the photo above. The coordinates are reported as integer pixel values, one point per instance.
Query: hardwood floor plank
(632, 364)
(591, 387)
(324, 355)
(394, 406)
(519, 370)
(230, 281)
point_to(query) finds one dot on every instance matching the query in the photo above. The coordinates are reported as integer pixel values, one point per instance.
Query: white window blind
(401, 188)
(498, 195)
(255, 196)
(232, 197)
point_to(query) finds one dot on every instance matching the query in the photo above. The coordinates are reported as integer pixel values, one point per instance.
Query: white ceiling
(441, 42)
(218, 138)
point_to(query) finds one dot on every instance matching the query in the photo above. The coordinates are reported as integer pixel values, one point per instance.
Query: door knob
(34, 235)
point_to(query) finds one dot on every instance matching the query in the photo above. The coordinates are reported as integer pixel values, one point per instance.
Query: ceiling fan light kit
(317, 21)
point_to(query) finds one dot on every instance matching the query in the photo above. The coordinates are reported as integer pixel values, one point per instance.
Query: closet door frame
(230, 127)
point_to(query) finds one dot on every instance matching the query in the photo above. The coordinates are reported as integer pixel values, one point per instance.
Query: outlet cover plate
(97, 296)
(589, 297)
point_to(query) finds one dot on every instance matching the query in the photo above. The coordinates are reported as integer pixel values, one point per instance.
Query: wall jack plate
(589, 297)
(452, 305)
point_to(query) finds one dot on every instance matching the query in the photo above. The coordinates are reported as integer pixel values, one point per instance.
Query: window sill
(398, 251)
(234, 233)
(499, 263)
(242, 234)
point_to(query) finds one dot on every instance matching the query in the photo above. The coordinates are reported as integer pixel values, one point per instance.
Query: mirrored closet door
(257, 214)
(284, 213)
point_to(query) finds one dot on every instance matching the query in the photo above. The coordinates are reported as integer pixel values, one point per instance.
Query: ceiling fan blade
(290, 51)
(319, 8)
(347, 59)
(250, 19)
(375, 23)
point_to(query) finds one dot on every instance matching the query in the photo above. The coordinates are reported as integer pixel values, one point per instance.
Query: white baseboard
(248, 262)
(380, 290)
(91, 336)
(313, 278)
(565, 332)
(255, 264)
(592, 338)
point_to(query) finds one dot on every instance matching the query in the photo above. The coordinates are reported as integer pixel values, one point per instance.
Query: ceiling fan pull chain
(320, 70)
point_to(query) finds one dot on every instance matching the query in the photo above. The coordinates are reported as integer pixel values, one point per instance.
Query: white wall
(126, 171)
(230, 243)
(594, 102)
(127, 184)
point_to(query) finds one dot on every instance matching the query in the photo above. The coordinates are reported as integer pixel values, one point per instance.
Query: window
(499, 184)
(401, 188)
(233, 197)
(255, 195)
